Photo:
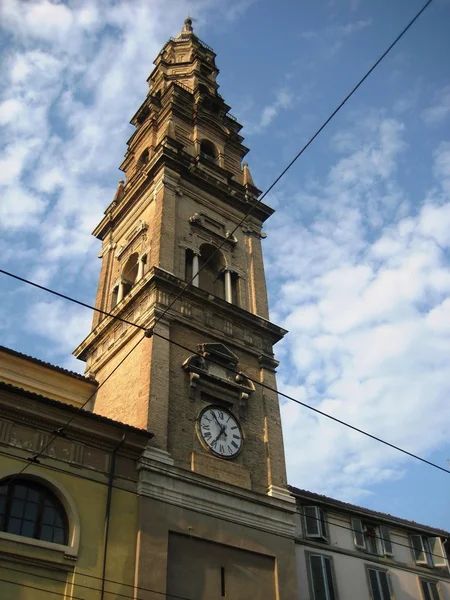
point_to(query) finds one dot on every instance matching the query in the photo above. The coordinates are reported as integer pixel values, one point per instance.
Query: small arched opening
(144, 158)
(130, 274)
(208, 150)
(212, 271)
(130, 269)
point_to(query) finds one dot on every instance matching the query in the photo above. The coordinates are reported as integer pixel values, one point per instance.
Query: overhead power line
(255, 381)
(252, 208)
(297, 156)
(87, 587)
(60, 430)
(221, 518)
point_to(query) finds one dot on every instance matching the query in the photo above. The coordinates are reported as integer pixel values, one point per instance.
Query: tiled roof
(312, 496)
(46, 364)
(74, 409)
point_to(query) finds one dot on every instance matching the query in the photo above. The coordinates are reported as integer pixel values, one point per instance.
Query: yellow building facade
(68, 524)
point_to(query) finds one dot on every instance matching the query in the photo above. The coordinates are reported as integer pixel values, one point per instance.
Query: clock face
(220, 432)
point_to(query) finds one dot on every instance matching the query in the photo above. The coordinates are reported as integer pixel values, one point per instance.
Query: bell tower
(215, 517)
(184, 192)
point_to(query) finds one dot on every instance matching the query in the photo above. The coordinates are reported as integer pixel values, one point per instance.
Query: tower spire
(187, 28)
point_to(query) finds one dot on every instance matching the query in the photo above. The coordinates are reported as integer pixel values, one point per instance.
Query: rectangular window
(315, 523)
(428, 551)
(429, 590)
(372, 538)
(322, 577)
(379, 584)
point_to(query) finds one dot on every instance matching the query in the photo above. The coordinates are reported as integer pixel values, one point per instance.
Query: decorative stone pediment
(140, 229)
(212, 226)
(218, 351)
(214, 374)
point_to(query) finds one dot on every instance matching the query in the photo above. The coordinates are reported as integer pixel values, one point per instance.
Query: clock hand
(222, 430)
(217, 421)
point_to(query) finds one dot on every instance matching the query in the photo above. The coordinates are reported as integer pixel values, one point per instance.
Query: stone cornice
(198, 493)
(168, 286)
(228, 190)
(47, 414)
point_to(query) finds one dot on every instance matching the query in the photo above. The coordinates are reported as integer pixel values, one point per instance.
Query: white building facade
(345, 552)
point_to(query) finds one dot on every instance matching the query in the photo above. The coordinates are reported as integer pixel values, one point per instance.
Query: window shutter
(317, 577)
(438, 552)
(374, 587)
(386, 543)
(384, 584)
(358, 534)
(430, 590)
(434, 590)
(323, 524)
(312, 521)
(329, 575)
(418, 550)
(425, 590)
(379, 584)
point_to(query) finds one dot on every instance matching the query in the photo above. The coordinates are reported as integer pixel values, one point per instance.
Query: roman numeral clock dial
(220, 432)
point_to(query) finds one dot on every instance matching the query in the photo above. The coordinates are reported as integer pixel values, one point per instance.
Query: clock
(220, 432)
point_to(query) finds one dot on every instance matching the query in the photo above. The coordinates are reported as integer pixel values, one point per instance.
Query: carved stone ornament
(213, 372)
(195, 219)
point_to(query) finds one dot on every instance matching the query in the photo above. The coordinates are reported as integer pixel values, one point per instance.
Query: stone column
(195, 281)
(228, 291)
(120, 292)
(140, 269)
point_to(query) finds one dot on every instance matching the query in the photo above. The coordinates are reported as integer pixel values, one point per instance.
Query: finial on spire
(187, 27)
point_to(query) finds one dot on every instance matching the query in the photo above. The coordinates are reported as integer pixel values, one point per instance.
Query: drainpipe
(112, 468)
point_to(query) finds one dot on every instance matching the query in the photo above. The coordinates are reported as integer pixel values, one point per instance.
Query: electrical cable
(297, 156)
(252, 208)
(35, 458)
(254, 381)
(234, 494)
(60, 430)
(88, 587)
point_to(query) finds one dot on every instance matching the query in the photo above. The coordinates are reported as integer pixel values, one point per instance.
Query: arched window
(144, 157)
(212, 276)
(130, 270)
(208, 150)
(30, 509)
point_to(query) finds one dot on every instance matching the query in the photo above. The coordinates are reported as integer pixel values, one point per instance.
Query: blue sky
(357, 254)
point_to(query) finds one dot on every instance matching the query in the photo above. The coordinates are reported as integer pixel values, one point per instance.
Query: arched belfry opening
(208, 150)
(144, 157)
(130, 270)
(212, 270)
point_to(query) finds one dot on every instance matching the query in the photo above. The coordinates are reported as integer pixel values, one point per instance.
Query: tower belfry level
(217, 449)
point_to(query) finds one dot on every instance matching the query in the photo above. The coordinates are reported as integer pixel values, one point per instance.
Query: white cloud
(74, 74)
(283, 100)
(20, 207)
(331, 38)
(364, 291)
(440, 109)
(59, 322)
